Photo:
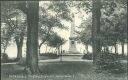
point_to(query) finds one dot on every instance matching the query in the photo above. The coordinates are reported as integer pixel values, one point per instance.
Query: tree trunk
(122, 44)
(46, 48)
(5, 46)
(5, 49)
(96, 14)
(19, 44)
(86, 47)
(19, 52)
(41, 45)
(115, 49)
(32, 36)
(106, 49)
(47, 36)
(49, 49)
(58, 48)
(62, 48)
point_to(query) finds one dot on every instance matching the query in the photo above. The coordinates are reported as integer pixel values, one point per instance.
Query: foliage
(86, 34)
(113, 23)
(113, 20)
(110, 62)
(4, 57)
(13, 20)
(61, 8)
(55, 40)
(113, 30)
(86, 5)
(49, 55)
(48, 21)
(87, 56)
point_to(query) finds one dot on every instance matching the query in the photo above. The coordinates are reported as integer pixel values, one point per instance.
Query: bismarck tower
(72, 41)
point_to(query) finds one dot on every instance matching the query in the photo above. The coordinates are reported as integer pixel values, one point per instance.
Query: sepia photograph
(64, 40)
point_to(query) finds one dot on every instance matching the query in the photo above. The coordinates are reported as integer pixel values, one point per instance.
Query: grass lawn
(59, 71)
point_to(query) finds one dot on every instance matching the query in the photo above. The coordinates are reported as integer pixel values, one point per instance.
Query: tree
(48, 21)
(7, 24)
(85, 35)
(12, 17)
(20, 32)
(32, 36)
(19, 42)
(113, 23)
(4, 39)
(61, 9)
(47, 24)
(108, 30)
(55, 41)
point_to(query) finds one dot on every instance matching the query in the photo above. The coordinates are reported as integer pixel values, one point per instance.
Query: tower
(72, 42)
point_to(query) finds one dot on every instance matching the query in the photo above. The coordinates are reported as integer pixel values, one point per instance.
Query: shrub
(50, 55)
(87, 56)
(4, 58)
(122, 57)
(110, 62)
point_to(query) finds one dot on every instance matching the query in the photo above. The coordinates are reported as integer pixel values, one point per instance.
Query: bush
(122, 57)
(87, 56)
(110, 62)
(50, 55)
(4, 58)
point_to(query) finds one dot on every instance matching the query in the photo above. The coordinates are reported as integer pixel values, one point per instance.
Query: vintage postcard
(64, 40)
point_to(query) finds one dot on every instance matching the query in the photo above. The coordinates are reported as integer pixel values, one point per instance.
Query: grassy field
(59, 71)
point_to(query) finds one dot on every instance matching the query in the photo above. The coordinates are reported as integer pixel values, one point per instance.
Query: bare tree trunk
(32, 36)
(115, 48)
(58, 48)
(106, 49)
(61, 49)
(40, 46)
(5, 46)
(50, 49)
(122, 44)
(19, 44)
(46, 48)
(86, 47)
(96, 14)
(19, 52)
(56, 51)
(5, 49)
(111, 48)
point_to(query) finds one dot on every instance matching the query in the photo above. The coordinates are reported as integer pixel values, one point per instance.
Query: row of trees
(113, 27)
(108, 28)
